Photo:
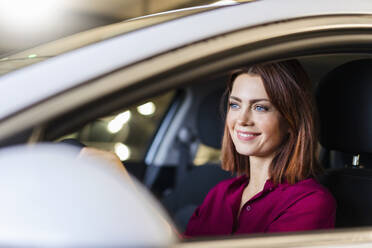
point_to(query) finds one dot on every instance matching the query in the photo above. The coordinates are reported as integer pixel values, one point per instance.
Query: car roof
(60, 73)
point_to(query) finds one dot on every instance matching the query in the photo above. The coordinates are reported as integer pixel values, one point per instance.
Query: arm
(107, 157)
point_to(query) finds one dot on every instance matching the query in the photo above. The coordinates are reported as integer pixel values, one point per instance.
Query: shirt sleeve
(214, 215)
(316, 210)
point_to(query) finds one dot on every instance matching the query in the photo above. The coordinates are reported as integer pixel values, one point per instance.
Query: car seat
(196, 181)
(345, 111)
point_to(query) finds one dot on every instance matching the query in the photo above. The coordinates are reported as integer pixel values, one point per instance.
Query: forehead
(248, 86)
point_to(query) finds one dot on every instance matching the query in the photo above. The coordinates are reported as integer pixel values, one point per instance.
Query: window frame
(297, 37)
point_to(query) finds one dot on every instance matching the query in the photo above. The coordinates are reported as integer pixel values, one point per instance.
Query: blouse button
(248, 208)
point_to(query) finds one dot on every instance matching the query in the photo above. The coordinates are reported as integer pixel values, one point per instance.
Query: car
(52, 199)
(149, 89)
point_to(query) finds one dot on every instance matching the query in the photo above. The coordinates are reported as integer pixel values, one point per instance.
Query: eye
(260, 108)
(233, 105)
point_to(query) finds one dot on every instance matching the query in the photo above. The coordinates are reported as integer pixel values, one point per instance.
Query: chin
(245, 152)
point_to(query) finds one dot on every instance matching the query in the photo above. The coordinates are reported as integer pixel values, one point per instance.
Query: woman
(269, 140)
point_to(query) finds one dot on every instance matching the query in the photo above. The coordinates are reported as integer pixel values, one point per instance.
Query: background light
(118, 122)
(147, 108)
(25, 13)
(122, 151)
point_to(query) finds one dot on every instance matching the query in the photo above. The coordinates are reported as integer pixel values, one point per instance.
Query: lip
(247, 136)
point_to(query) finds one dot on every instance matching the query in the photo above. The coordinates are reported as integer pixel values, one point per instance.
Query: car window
(127, 132)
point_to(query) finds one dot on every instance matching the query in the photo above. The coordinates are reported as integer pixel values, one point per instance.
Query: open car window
(128, 132)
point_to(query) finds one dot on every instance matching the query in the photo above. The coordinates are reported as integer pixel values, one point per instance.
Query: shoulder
(228, 186)
(310, 193)
(231, 184)
(305, 205)
(309, 185)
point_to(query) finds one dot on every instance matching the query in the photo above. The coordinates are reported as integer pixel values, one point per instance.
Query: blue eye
(260, 108)
(233, 105)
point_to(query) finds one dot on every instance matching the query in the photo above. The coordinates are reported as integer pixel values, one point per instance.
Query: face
(255, 125)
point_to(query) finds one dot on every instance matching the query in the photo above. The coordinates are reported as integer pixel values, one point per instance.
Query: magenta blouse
(305, 205)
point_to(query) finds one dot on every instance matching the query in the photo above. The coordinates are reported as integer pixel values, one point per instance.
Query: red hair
(289, 90)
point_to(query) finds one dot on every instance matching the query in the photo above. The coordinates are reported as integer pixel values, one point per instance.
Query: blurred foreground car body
(81, 85)
(53, 199)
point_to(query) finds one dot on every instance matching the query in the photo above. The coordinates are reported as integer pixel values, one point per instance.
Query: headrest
(344, 99)
(210, 121)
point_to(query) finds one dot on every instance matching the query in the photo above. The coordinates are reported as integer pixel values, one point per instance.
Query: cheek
(273, 126)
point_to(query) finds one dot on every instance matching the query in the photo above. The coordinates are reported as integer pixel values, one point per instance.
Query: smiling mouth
(247, 136)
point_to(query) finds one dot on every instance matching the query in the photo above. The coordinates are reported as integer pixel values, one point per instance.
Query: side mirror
(50, 198)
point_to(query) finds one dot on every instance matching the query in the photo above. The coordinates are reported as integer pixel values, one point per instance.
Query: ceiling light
(122, 151)
(118, 122)
(147, 108)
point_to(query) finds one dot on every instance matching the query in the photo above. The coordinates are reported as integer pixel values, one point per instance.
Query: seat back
(352, 189)
(345, 111)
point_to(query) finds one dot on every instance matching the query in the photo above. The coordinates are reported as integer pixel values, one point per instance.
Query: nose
(245, 118)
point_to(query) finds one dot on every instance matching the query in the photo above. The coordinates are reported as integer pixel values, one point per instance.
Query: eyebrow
(251, 101)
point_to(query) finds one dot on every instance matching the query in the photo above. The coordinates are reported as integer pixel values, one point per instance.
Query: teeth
(246, 135)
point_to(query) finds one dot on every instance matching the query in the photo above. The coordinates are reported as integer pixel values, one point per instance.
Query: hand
(105, 156)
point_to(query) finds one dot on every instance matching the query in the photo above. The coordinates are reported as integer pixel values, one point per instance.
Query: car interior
(174, 148)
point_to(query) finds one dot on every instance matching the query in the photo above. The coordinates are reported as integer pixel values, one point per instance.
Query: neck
(259, 171)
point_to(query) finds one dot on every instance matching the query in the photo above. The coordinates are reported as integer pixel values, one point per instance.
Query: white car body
(110, 62)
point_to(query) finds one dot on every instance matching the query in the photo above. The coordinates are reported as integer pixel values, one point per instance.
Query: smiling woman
(270, 142)
(255, 125)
